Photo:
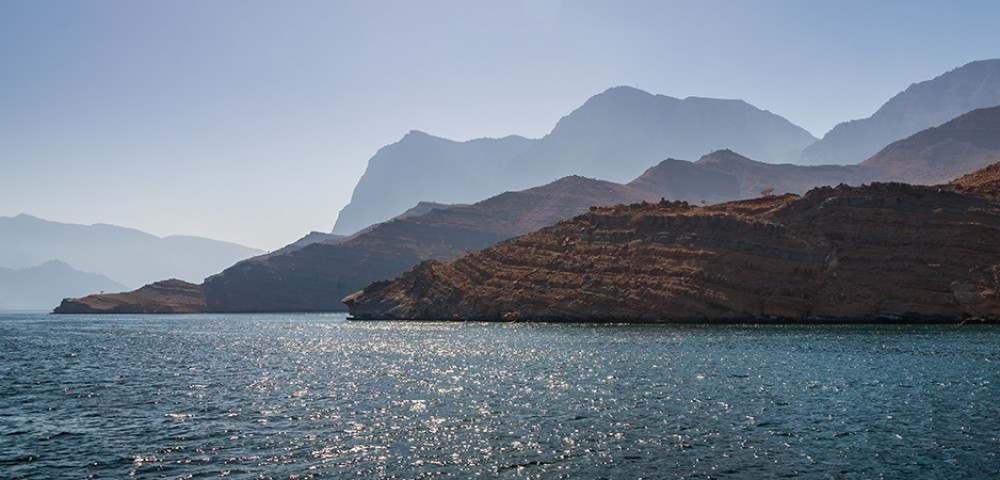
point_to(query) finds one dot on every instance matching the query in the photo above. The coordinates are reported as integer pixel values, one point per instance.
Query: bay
(317, 396)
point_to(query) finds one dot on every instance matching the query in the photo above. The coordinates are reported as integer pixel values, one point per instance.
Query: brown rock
(884, 252)
(168, 296)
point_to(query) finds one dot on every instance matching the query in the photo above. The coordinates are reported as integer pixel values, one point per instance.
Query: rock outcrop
(923, 105)
(168, 296)
(882, 252)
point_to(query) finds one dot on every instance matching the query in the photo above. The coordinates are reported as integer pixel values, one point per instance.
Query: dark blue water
(311, 396)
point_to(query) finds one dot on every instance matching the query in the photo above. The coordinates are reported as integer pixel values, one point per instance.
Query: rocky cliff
(882, 252)
(923, 105)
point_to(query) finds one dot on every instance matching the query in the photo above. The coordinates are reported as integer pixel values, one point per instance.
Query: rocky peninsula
(885, 252)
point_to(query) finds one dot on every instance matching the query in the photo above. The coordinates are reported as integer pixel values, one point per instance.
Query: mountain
(126, 255)
(618, 134)
(40, 287)
(725, 175)
(422, 167)
(965, 144)
(880, 252)
(311, 273)
(316, 276)
(613, 136)
(921, 106)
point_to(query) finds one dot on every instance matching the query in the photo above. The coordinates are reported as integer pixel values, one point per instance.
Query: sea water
(317, 396)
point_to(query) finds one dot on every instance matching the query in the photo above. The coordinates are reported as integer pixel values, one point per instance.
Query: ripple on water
(309, 396)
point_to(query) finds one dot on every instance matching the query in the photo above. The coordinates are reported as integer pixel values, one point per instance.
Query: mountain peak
(922, 105)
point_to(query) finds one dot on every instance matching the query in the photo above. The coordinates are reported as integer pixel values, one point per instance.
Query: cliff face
(923, 105)
(879, 252)
(422, 167)
(168, 296)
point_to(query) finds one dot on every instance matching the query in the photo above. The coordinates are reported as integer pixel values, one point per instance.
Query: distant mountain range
(310, 274)
(613, 136)
(923, 105)
(617, 134)
(119, 258)
(40, 287)
(965, 144)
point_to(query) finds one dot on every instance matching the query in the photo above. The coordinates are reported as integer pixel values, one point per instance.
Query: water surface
(315, 396)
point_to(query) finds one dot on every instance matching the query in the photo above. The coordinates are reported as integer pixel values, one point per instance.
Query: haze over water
(315, 396)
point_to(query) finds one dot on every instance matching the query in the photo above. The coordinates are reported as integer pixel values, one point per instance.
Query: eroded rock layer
(883, 252)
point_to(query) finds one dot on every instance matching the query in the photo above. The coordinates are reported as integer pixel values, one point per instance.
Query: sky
(251, 121)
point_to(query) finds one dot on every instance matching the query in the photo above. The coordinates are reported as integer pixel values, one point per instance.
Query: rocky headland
(875, 253)
(168, 296)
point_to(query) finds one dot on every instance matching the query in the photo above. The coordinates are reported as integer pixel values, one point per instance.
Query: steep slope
(616, 135)
(985, 183)
(921, 106)
(883, 252)
(613, 136)
(423, 167)
(316, 276)
(964, 144)
(126, 255)
(40, 287)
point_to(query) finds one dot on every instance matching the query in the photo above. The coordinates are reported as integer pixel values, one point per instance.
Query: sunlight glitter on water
(272, 396)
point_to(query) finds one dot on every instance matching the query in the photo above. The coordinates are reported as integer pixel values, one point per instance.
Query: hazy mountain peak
(724, 156)
(615, 135)
(124, 254)
(938, 154)
(922, 105)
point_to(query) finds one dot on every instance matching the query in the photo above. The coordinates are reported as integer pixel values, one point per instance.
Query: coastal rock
(882, 252)
(168, 296)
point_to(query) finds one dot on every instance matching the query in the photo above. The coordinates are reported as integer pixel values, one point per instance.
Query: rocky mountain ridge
(921, 106)
(313, 277)
(613, 136)
(880, 252)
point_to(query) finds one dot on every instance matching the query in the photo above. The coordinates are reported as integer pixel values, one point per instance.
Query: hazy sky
(251, 121)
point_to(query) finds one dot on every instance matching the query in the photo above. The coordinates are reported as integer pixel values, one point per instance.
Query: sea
(300, 396)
